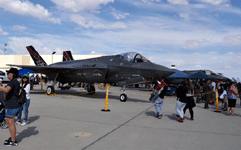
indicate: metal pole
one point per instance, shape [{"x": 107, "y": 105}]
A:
[{"x": 5, "y": 48}]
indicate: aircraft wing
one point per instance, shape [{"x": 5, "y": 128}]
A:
[
  {"x": 39, "y": 69},
  {"x": 53, "y": 70}
]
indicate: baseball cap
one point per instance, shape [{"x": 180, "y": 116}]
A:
[{"x": 25, "y": 75}]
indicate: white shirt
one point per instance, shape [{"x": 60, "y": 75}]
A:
[
  {"x": 214, "y": 86},
  {"x": 27, "y": 90}
]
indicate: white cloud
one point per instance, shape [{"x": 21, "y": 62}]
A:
[
  {"x": 1, "y": 52},
  {"x": 194, "y": 44},
  {"x": 232, "y": 40},
  {"x": 81, "y": 5},
  {"x": 180, "y": 2},
  {"x": 185, "y": 16},
  {"x": 176, "y": 62},
  {"x": 230, "y": 53},
  {"x": 118, "y": 14},
  {"x": 212, "y": 53},
  {"x": 2, "y": 32},
  {"x": 214, "y": 2},
  {"x": 84, "y": 22},
  {"x": 27, "y": 8},
  {"x": 213, "y": 58},
  {"x": 19, "y": 27},
  {"x": 149, "y": 1}
]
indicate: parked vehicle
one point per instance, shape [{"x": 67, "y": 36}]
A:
[{"x": 4, "y": 76}]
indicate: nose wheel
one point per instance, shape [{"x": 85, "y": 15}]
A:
[
  {"x": 123, "y": 97},
  {"x": 50, "y": 90}
]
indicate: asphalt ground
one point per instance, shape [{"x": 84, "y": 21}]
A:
[{"x": 72, "y": 120}]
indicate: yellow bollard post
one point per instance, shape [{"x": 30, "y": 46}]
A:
[
  {"x": 217, "y": 106},
  {"x": 81, "y": 87},
  {"x": 106, "y": 99}
]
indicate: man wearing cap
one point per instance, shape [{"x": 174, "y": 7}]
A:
[{"x": 12, "y": 107}]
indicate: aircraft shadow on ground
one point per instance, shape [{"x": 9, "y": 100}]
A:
[
  {"x": 102, "y": 95},
  {"x": 98, "y": 95}
]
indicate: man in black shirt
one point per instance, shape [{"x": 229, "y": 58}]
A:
[
  {"x": 206, "y": 92},
  {"x": 12, "y": 107}
]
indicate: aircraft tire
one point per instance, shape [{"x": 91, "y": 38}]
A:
[
  {"x": 91, "y": 90},
  {"x": 123, "y": 97},
  {"x": 50, "y": 90}
]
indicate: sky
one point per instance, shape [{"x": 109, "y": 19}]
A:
[{"x": 190, "y": 34}]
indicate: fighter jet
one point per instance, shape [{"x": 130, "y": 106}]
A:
[{"x": 126, "y": 67}]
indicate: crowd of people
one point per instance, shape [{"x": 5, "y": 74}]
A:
[{"x": 201, "y": 90}]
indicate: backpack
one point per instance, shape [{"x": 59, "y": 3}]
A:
[{"x": 22, "y": 96}]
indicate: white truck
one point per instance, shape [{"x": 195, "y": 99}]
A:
[{"x": 4, "y": 76}]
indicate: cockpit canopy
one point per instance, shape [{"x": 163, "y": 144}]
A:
[{"x": 133, "y": 57}]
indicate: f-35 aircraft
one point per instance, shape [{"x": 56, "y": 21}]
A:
[{"x": 128, "y": 67}]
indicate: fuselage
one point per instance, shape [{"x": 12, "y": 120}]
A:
[{"x": 108, "y": 69}]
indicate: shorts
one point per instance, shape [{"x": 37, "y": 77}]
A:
[
  {"x": 12, "y": 112},
  {"x": 231, "y": 102}
]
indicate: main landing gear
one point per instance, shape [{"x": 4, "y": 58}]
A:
[
  {"x": 50, "y": 90},
  {"x": 91, "y": 89}
]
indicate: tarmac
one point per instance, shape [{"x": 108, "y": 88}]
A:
[{"x": 72, "y": 120}]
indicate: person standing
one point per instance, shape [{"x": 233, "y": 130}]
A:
[
  {"x": 160, "y": 99},
  {"x": 181, "y": 100},
  {"x": 12, "y": 107},
  {"x": 197, "y": 90},
  {"x": 206, "y": 92},
  {"x": 26, "y": 85},
  {"x": 213, "y": 92},
  {"x": 232, "y": 92},
  {"x": 190, "y": 101}
]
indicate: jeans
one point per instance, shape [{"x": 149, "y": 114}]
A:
[
  {"x": 158, "y": 105},
  {"x": 24, "y": 108},
  {"x": 179, "y": 108}
]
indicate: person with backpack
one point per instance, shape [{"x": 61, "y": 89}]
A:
[
  {"x": 26, "y": 86},
  {"x": 12, "y": 107},
  {"x": 161, "y": 88}
]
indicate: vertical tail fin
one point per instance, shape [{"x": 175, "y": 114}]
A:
[
  {"x": 38, "y": 60},
  {"x": 67, "y": 56}
]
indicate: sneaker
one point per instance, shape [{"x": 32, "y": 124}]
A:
[
  {"x": 11, "y": 143},
  {"x": 18, "y": 122},
  {"x": 6, "y": 141},
  {"x": 160, "y": 116},
  {"x": 180, "y": 120},
  {"x": 191, "y": 119},
  {"x": 23, "y": 123}
]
